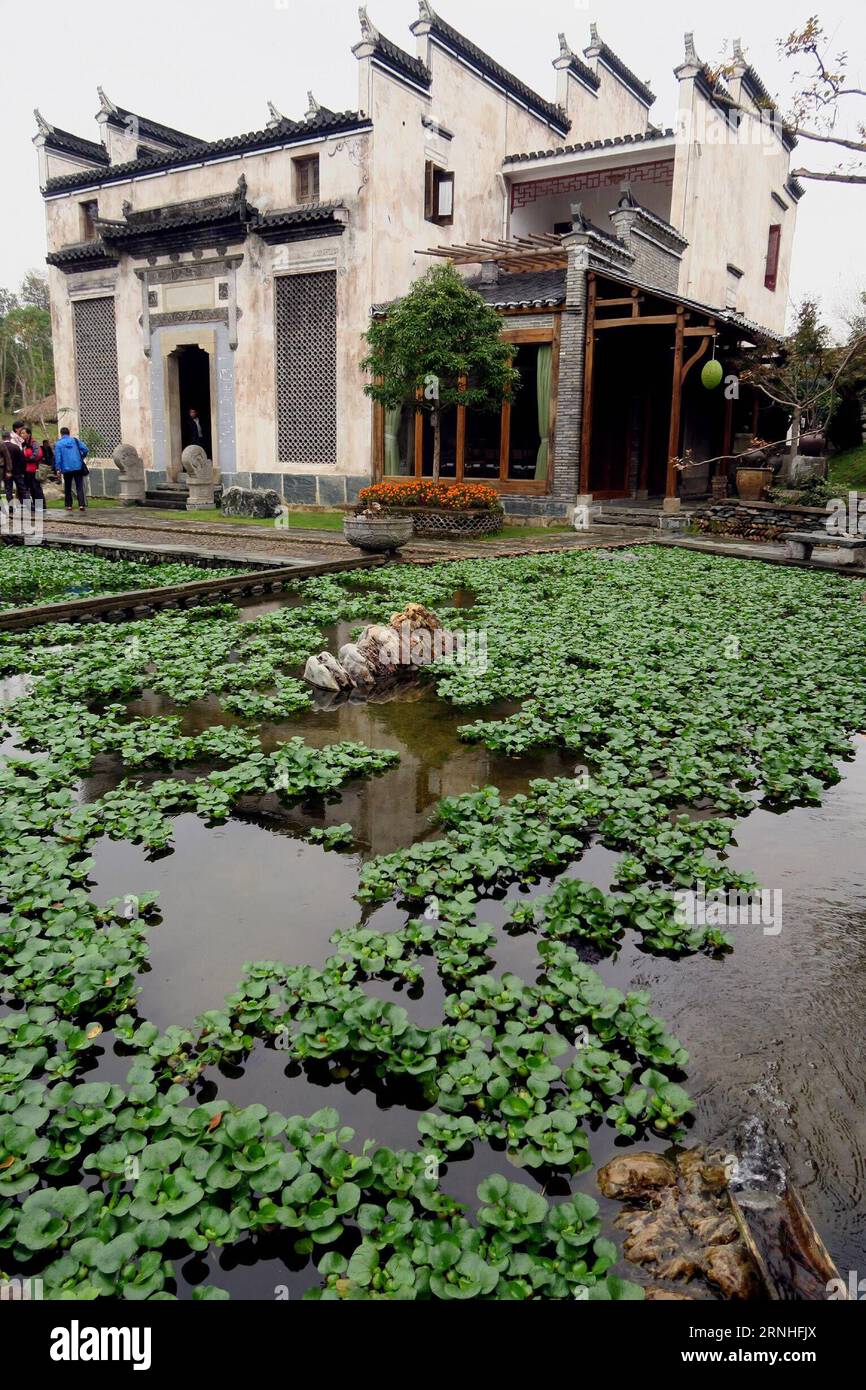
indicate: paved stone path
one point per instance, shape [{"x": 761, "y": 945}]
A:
[{"x": 151, "y": 528}]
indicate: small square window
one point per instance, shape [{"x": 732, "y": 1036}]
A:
[
  {"x": 89, "y": 211},
  {"x": 438, "y": 195},
  {"x": 307, "y": 179}
]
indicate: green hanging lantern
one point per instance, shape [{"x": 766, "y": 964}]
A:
[{"x": 712, "y": 374}]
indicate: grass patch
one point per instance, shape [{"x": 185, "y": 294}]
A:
[{"x": 848, "y": 469}]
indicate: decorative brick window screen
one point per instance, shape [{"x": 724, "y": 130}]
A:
[
  {"x": 306, "y": 349},
  {"x": 656, "y": 171},
  {"x": 96, "y": 362}
]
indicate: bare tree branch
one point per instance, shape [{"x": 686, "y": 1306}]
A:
[{"x": 827, "y": 178}]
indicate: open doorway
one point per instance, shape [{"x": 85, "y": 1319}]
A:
[{"x": 193, "y": 381}]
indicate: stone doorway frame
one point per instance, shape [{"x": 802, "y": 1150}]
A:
[{"x": 170, "y": 341}]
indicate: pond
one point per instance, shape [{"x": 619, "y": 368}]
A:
[{"x": 771, "y": 1027}]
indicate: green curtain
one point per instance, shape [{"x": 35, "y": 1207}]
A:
[
  {"x": 543, "y": 375},
  {"x": 392, "y": 443}
]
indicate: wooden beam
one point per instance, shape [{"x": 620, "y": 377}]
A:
[
  {"x": 643, "y": 318},
  {"x": 676, "y": 405},
  {"x": 701, "y": 332},
  {"x": 695, "y": 357},
  {"x": 588, "y": 367}
]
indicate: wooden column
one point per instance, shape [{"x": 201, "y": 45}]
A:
[
  {"x": 588, "y": 362},
  {"x": 676, "y": 403}
]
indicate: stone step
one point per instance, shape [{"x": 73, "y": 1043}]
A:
[{"x": 625, "y": 516}]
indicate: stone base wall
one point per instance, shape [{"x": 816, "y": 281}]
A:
[
  {"x": 307, "y": 489},
  {"x": 537, "y": 507},
  {"x": 756, "y": 519}
]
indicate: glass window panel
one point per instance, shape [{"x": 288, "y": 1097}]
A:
[
  {"x": 448, "y": 463},
  {"x": 483, "y": 438},
  {"x": 525, "y": 434}
]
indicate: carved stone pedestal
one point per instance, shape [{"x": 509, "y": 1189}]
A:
[{"x": 131, "y": 469}]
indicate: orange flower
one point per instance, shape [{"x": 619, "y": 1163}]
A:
[{"x": 419, "y": 492}]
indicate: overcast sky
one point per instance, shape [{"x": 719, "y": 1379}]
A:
[{"x": 209, "y": 66}]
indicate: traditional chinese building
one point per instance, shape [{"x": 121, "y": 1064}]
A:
[{"x": 237, "y": 276}]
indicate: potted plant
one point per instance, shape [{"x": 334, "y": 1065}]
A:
[
  {"x": 439, "y": 510},
  {"x": 376, "y": 531},
  {"x": 754, "y": 472}
]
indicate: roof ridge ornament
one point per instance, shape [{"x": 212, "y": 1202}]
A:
[
  {"x": 276, "y": 117},
  {"x": 738, "y": 54},
  {"x": 368, "y": 29},
  {"x": 691, "y": 53},
  {"x": 105, "y": 102},
  {"x": 579, "y": 222},
  {"x": 425, "y": 11},
  {"x": 564, "y": 50},
  {"x": 595, "y": 41},
  {"x": 42, "y": 125},
  {"x": 313, "y": 107}
]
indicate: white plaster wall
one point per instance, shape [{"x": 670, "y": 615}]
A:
[
  {"x": 722, "y": 202},
  {"x": 613, "y": 110},
  {"x": 344, "y": 175}
]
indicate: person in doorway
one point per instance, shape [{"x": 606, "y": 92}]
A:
[
  {"x": 193, "y": 430},
  {"x": 12, "y": 458},
  {"x": 69, "y": 455},
  {"x": 32, "y": 460}
]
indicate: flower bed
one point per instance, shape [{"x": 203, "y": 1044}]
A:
[
  {"x": 450, "y": 497},
  {"x": 440, "y": 509}
]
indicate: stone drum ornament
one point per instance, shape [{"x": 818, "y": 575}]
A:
[
  {"x": 127, "y": 461},
  {"x": 199, "y": 469}
]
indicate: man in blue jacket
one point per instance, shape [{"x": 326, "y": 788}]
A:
[{"x": 69, "y": 456}]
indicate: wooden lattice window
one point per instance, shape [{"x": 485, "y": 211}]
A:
[
  {"x": 306, "y": 351},
  {"x": 96, "y": 363},
  {"x": 307, "y": 179}
]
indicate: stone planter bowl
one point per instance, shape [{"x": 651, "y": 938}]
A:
[
  {"x": 378, "y": 535},
  {"x": 752, "y": 482}
]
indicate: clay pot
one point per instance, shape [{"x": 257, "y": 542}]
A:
[
  {"x": 379, "y": 534},
  {"x": 753, "y": 481},
  {"x": 812, "y": 443}
]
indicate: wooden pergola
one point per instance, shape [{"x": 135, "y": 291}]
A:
[{"x": 538, "y": 251}]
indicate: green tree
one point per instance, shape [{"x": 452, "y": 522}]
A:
[
  {"x": 805, "y": 377},
  {"x": 438, "y": 347},
  {"x": 34, "y": 290}
]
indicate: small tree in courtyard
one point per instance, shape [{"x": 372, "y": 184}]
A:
[{"x": 438, "y": 347}]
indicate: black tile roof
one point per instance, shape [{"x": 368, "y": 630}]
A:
[
  {"x": 653, "y": 217},
  {"x": 314, "y": 219},
  {"x": 584, "y": 72},
  {"x": 154, "y": 130},
  {"x": 493, "y": 71},
  {"x": 612, "y": 142},
  {"x": 795, "y": 188},
  {"x": 541, "y": 289},
  {"x": 286, "y": 132},
  {"x": 85, "y": 255},
  {"x": 402, "y": 63},
  {"x": 624, "y": 73},
  {"x": 67, "y": 143}
]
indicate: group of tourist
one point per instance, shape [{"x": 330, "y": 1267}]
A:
[{"x": 22, "y": 458}]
